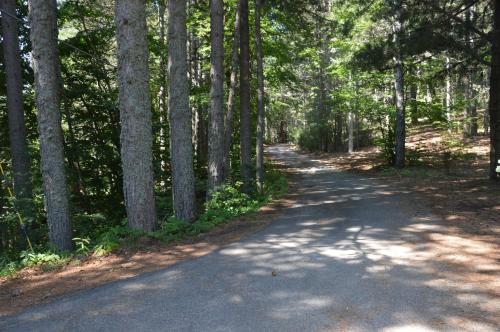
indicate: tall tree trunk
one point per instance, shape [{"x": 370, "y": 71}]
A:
[
  {"x": 198, "y": 109},
  {"x": 323, "y": 111},
  {"x": 338, "y": 134},
  {"x": 181, "y": 149},
  {"x": 470, "y": 124},
  {"x": 413, "y": 97},
  {"x": 470, "y": 111},
  {"x": 260, "y": 100},
  {"x": 135, "y": 114},
  {"x": 399, "y": 87},
  {"x": 216, "y": 115},
  {"x": 355, "y": 120},
  {"x": 194, "y": 81},
  {"x": 494, "y": 102},
  {"x": 162, "y": 98},
  {"x": 233, "y": 84},
  {"x": 17, "y": 128},
  {"x": 448, "y": 92},
  {"x": 357, "y": 126},
  {"x": 201, "y": 135},
  {"x": 350, "y": 131},
  {"x": 47, "y": 70},
  {"x": 245, "y": 135},
  {"x": 323, "y": 81}
]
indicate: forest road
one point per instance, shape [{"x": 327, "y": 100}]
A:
[{"x": 349, "y": 254}]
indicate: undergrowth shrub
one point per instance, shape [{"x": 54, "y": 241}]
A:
[
  {"x": 29, "y": 258},
  {"x": 7, "y": 266},
  {"x": 226, "y": 203},
  {"x": 112, "y": 238},
  {"x": 97, "y": 237}
]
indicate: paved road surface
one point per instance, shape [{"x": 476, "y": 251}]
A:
[{"x": 348, "y": 254}]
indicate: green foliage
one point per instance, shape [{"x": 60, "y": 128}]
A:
[
  {"x": 87, "y": 224},
  {"x": 163, "y": 204},
  {"x": 82, "y": 245},
  {"x": 172, "y": 229},
  {"x": 454, "y": 143},
  {"x": 275, "y": 184},
  {"x": 8, "y": 267},
  {"x": 387, "y": 139},
  {"x": 17, "y": 218},
  {"x": 226, "y": 203},
  {"x": 310, "y": 138},
  {"x": 230, "y": 201},
  {"x": 113, "y": 237},
  {"x": 48, "y": 260},
  {"x": 29, "y": 258}
]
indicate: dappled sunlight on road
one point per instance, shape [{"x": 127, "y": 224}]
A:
[
  {"x": 348, "y": 254},
  {"x": 382, "y": 243}
]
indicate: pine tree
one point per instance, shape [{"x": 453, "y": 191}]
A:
[
  {"x": 399, "y": 87},
  {"x": 181, "y": 150},
  {"x": 245, "y": 134},
  {"x": 494, "y": 102},
  {"x": 46, "y": 66},
  {"x": 216, "y": 115},
  {"x": 231, "y": 100},
  {"x": 17, "y": 127},
  {"x": 135, "y": 114},
  {"x": 260, "y": 100}
]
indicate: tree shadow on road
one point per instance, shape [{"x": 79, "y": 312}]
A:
[{"x": 349, "y": 253}]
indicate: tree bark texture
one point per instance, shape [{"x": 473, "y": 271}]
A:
[
  {"x": 260, "y": 100},
  {"x": 471, "y": 124},
  {"x": 162, "y": 98},
  {"x": 181, "y": 149},
  {"x": 448, "y": 92},
  {"x": 216, "y": 115},
  {"x": 399, "y": 87},
  {"x": 231, "y": 100},
  {"x": 494, "y": 103},
  {"x": 47, "y": 71},
  {"x": 135, "y": 114},
  {"x": 245, "y": 134},
  {"x": 15, "y": 109},
  {"x": 350, "y": 131}
]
